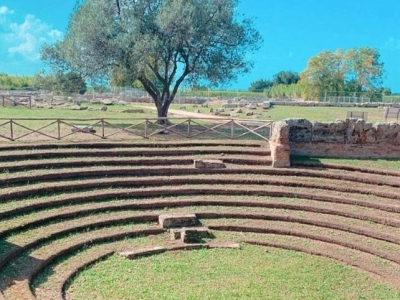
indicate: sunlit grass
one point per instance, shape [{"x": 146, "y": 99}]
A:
[{"x": 249, "y": 273}]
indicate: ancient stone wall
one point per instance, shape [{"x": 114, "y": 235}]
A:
[{"x": 348, "y": 138}]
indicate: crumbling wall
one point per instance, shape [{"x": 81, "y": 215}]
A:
[{"x": 348, "y": 138}]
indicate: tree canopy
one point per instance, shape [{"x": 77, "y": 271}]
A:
[
  {"x": 260, "y": 85},
  {"x": 161, "y": 43},
  {"x": 354, "y": 70},
  {"x": 281, "y": 78},
  {"x": 286, "y": 78}
]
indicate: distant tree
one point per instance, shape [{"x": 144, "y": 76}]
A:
[
  {"x": 260, "y": 85},
  {"x": 68, "y": 83},
  {"x": 354, "y": 70},
  {"x": 12, "y": 82},
  {"x": 286, "y": 78},
  {"x": 169, "y": 40},
  {"x": 365, "y": 68}
]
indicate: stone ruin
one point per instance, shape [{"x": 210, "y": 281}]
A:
[{"x": 350, "y": 138}]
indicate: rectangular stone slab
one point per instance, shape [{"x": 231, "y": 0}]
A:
[
  {"x": 208, "y": 164},
  {"x": 175, "y": 220},
  {"x": 142, "y": 252}
]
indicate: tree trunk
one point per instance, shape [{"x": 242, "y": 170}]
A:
[{"x": 162, "y": 112}]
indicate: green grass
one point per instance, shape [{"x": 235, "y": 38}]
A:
[
  {"x": 279, "y": 112},
  {"x": 385, "y": 164},
  {"x": 250, "y": 273}
]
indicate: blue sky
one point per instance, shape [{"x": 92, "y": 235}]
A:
[{"x": 293, "y": 31}]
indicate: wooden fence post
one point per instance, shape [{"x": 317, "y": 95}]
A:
[
  {"x": 11, "y": 130},
  {"x": 232, "y": 129},
  {"x": 102, "y": 129},
  {"x": 189, "y": 128},
  {"x": 146, "y": 128},
  {"x": 58, "y": 129}
]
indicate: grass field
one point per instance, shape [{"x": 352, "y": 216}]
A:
[
  {"x": 249, "y": 273},
  {"x": 116, "y": 111}
]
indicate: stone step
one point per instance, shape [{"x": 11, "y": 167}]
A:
[
  {"x": 190, "y": 234},
  {"x": 142, "y": 252},
  {"x": 216, "y": 244},
  {"x": 209, "y": 164},
  {"x": 175, "y": 220}
]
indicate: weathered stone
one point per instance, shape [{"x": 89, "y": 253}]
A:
[
  {"x": 353, "y": 138},
  {"x": 202, "y": 232},
  {"x": 142, "y": 252},
  {"x": 300, "y": 130},
  {"x": 132, "y": 111},
  {"x": 191, "y": 235},
  {"x": 75, "y": 107},
  {"x": 107, "y": 102},
  {"x": 223, "y": 244},
  {"x": 329, "y": 132},
  {"x": 83, "y": 128},
  {"x": 209, "y": 164},
  {"x": 175, "y": 233},
  {"x": 104, "y": 108},
  {"x": 388, "y": 132},
  {"x": 175, "y": 220},
  {"x": 279, "y": 145}
]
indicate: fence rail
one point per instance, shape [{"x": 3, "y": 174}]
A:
[{"x": 29, "y": 129}]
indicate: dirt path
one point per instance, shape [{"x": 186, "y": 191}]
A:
[{"x": 179, "y": 112}]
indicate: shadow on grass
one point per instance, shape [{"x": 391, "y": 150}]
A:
[{"x": 12, "y": 270}]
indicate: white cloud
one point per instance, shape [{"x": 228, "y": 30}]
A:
[
  {"x": 26, "y": 38},
  {"x": 393, "y": 43},
  {"x": 4, "y": 10}
]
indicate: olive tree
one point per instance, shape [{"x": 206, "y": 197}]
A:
[{"x": 161, "y": 43}]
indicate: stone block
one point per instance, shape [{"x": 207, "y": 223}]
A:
[
  {"x": 300, "y": 130},
  {"x": 175, "y": 233},
  {"x": 175, "y": 220},
  {"x": 209, "y": 164},
  {"x": 190, "y": 235},
  {"x": 142, "y": 252},
  {"x": 223, "y": 244},
  {"x": 83, "y": 128},
  {"x": 197, "y": 232}
]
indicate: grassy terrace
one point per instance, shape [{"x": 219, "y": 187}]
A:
[{"x": 324, "y": 229}]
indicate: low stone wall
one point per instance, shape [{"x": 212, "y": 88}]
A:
[{"x": 348, "y": 138}]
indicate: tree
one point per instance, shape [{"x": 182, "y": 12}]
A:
[
  {"x": 325, "y": 72},
  {"x": 67, "y": 83},
  {"x": 260, "y": 85},
  {"x": 354, "y": 70},
  {"x": 159, "y": 42},
  {"x": 365, "y": 68},
  {"x": 286, "y": 78}
]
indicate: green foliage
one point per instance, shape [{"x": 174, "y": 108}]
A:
[
  {"x": 283, "y": 85},
  {"x": 9, "y": 82},
  {"x": 286, "y": 78},
  {"x": 284, "y": 91},
  {"x": 68, "y": 83},
  {"x": 354, "y": 70},
  {"x": 260, "y": 85},
  {"x": 161, "y": 43}
]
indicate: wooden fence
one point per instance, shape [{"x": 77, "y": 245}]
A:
[
  {"x": 16, "y": 100},
  {"x": 28, "y": 129}
]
